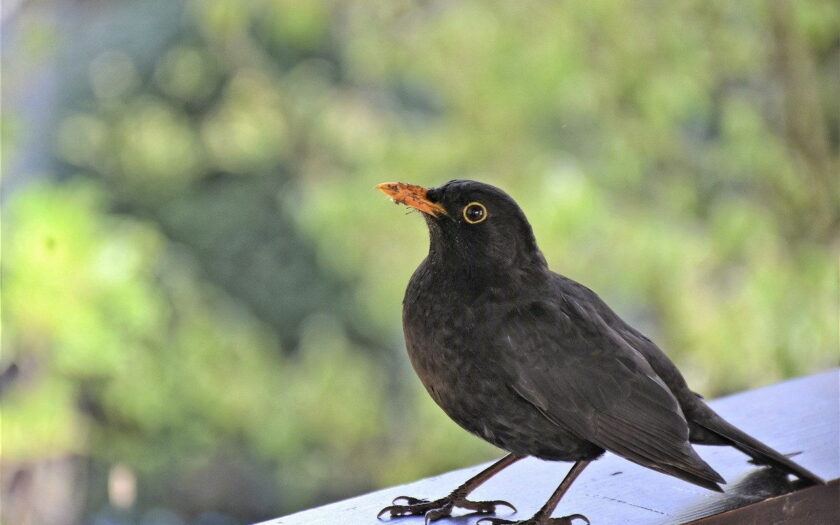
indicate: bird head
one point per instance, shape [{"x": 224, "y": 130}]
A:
[{"x": 471, "y": 225}]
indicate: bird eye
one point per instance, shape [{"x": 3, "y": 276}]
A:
[{"x": 475, "y": 212}]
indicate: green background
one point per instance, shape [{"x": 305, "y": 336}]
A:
[{"x": 202, "y": 288}]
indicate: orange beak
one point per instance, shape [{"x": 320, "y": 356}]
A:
[{"x": 411, "y": 195}]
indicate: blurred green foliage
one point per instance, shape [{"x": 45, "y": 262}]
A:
[{"x": 204, "y": 285}]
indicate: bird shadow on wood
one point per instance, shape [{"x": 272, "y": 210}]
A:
[{"x": 756, "y": 486}]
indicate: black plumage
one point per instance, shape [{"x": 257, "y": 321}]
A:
[{"x": 536, "y": 363}]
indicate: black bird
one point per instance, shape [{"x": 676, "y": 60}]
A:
[{"x": 536, "y": 363}]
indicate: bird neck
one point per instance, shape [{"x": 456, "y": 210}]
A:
[{"x": 478, "y": 275}]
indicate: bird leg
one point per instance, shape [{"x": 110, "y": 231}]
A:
[
  {"x": 543, "y": 516},
  {"x": 441, "y": 508}
]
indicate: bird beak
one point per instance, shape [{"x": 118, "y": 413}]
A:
[{"x": 411, "y": 195}]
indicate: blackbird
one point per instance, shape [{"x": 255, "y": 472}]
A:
[{"x": 536, "y": 363}]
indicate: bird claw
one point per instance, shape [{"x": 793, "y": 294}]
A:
[
  {"x": 440, "y": 508},
  {"x": 565, "y": 520},
  {"x": 481, "y": 508},
  {"x": 415, "y": 507},
  {"x": 408, "y": 500},
  {"x": 573, "y": 517}
]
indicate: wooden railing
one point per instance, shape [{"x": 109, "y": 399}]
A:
[{"x": 800, "y": 417}]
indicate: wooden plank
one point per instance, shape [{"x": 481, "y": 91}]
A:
[
  {"x": 812, "y": 506},
  {"x": 800, "y": 417}
]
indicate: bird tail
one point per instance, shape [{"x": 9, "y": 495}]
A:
[{"x": 761, "y": 453}]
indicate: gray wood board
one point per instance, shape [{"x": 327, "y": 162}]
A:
[{"x": 800, "y": 416}]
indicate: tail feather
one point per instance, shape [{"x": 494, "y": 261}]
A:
[
  {"x": 694, "y": 470},
  {"x": 692, "y": 478},
  {"x": 761, "y": 453},
  {"x": 686, "y": 465}
]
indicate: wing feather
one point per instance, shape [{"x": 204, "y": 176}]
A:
[{"x": 587, "y": 379}]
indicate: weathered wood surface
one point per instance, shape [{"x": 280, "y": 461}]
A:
[{"x": 800, "y": 417}]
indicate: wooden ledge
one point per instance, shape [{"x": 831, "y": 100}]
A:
[{"x": 800, "y": 416}]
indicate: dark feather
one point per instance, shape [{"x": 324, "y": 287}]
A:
[
  {"x": 583, "y": 376},
  {"x": 706, "y": 426}
]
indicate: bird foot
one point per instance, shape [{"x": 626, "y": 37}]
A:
[
  {"x": 440, "y": 508},
  {"x": 536, "y": 520}
]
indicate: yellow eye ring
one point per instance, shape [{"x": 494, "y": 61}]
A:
[{"x": 475, "y": 212}]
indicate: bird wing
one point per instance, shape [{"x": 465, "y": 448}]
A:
[
  {"x": 585, "y": 378},
  {"x": 705, "y": 425}
]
